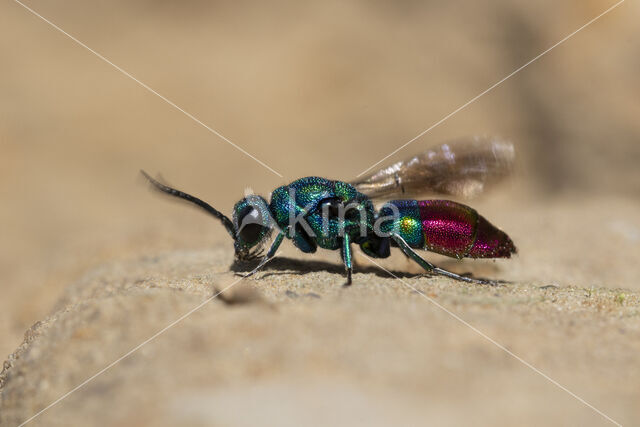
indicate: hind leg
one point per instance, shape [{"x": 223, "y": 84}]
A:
[{"x": 408, "y": 251}]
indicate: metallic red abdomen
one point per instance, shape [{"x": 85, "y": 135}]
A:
[{"x": 456, "y": 230}]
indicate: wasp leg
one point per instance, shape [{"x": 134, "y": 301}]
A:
[
  {"x": 272, "y": 251},
  {"x": 346, "y": 257},
  {"x": 408, "y": 251}
]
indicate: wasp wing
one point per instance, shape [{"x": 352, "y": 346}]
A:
[{"x": 462, "y": 168}]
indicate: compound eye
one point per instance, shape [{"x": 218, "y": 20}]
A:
[
  {"x": 251, "y": 227},
  {"x": 332, "y": 206}
]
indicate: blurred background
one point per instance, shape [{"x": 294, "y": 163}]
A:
[{"x": 310, "y": 88}]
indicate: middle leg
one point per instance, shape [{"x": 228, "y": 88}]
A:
[{"x": 346, "y": 256}]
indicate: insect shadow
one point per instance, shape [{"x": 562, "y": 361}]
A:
[{"x": 286, "y": 265}]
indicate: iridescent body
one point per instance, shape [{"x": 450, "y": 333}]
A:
[
  {"x": 448, "y": 228},
  {"x": 440, "y": 226}
]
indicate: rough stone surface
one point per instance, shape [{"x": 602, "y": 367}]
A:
[{"x": 293, "y": 346}]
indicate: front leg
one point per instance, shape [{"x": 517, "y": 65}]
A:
[
  {"x": 346, "y": 257},
  {"x": 408, "y": 251},
  {"x": 272, "y": 251}
]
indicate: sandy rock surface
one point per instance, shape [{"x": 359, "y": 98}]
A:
[{"x": 293, "y": 346}]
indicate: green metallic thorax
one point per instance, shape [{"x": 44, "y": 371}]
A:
[{"x": 305, "y": 196}]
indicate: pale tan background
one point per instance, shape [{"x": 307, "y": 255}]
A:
[{"x": 310, "y": 88}]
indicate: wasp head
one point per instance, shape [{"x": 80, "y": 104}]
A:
[{"x": 253, "y": 224}]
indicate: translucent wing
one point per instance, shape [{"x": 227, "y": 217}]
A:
[{"x": 462, "y": 168}]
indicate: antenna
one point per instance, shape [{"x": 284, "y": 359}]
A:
[{"x": 189, "y": 198}]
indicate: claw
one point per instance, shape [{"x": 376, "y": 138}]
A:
[
  {"x": 255, "y": 254},
  {"x": 243, "y": 275}
]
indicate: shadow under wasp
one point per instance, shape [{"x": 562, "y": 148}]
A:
[{"x": 318, "y": 212}]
